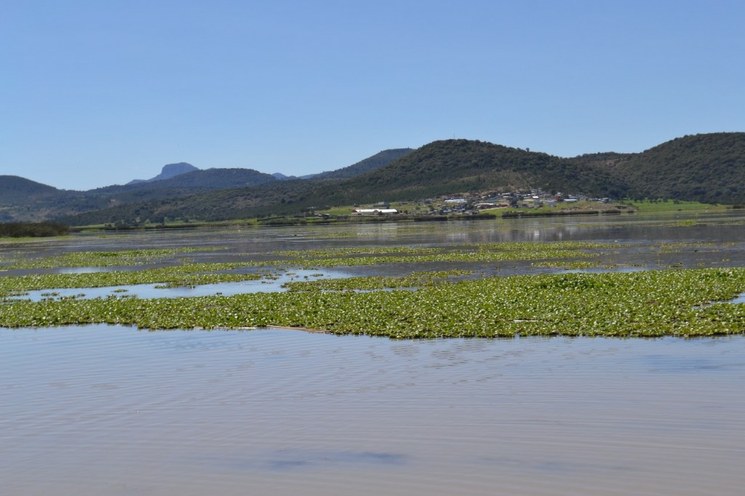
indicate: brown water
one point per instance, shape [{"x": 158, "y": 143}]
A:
[
  {"x": 113, "y": 411},
  {"x": 276, "y": 283},
  {"x": 716, "y": 239}
]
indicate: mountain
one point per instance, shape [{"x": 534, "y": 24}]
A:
[
  {"x": 705, "y": 167},
  {"x": 266, "y": 194},
  {"x": 459, "y": 166},
  {"x": 194, "y": 181},
  {"x": 168, "y": 171},
  {"x": 375, "y": 162},
  {"x": 175, "y": 181},
  {"x": 15, "y": 188},
  {"x": 709, "y": 168},
  {"x": 181, "y": 185},
  {"x": 281, "y": 177},
  {"x": 672, "y": 170},
  {"x": 25, "y": 200}
]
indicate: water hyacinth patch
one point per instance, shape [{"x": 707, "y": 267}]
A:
[
  {"x": 421, "y": 304},
  {"x": 117, "y": 258},
  {"x": 639, "y": 304},
  {"x": 415, "y": 280},
  {"x": 479, "y": 253},
  {"x": 182, "y": 275}
]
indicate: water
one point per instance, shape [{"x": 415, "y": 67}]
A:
[
  {"x": 714, "y": 239},
  {"x": 109, "y": 410},
  {"x": 264, "y": 285}
]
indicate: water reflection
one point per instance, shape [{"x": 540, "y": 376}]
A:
[
  {"x": 108, "y": 410},
  {"x": 116, "y": 411},
  {"x": 82, "y": 270},
  {"x": 264, "y": 285},
  {"x": 288, "y": 460}
]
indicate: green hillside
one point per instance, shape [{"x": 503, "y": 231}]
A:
[
  {"x": 377, "y": 161},
  {"x": 458, "y": 166},
  {"x": 185, "y": 184},
  {"x": 14, "y": 188},
  {"x": 707, "y": 168},
  {"x": 26, "y": 200}
]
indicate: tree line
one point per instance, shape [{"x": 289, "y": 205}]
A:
[{"x": 32, "y": 229}]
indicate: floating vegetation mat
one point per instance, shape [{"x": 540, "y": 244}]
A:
[
  {"x": 117, "y": 258},
  {"x": 638, "y": 304},
  {"x": 190, "y": 274},
  {"x": 485, "y": 252},
  {"x": 420, "y": 304}
]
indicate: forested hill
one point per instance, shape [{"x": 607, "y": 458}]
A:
[
  {"x": 194, "y": 182},
  {"x": 377, "y": 161},
  {"x": 25, "y": 200},
  {"x": 28, "y": 200},
  {"x": 456, "y": 166},
  {"x": 14, "y": 188},
  {"x": 686, "y": 168},
  {"x": 705, "y": 167}
]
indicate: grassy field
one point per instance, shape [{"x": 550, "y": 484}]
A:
[{"x": 665, "y": 206}]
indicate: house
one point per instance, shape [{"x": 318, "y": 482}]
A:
[{"x": 375, "y": 211}]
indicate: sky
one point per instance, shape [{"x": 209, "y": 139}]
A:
[{"x": 97, "y": 93}]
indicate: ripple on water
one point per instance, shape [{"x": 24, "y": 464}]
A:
[
  {"x": 111, "y": 410},
  {"x": 264, "y": 285}
]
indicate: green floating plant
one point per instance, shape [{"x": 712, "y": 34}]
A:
[{"x": 639, "y": 304}]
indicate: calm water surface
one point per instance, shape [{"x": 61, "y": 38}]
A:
[
  {"x": 103, "y": 410},
  {"x": 109, "y": 410},
  {"x": 265, "y": 285}
]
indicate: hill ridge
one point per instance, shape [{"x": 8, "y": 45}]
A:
[{"x": 701, "y": 167}]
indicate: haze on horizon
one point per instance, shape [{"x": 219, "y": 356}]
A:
[{"x": 101, "y": 93}]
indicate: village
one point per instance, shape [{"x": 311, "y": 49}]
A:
[{"x": 485, "y": 203}]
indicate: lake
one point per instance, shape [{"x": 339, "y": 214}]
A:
[
  {"x": 109, "y": 410},
  {"x": 113, "y": 410}
]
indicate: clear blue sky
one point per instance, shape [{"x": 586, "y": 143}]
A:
[{"x": 98, "y": 92}]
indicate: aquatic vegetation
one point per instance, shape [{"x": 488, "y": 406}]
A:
[
  {"x": 648, "y": 304},
  {"x": 679, "y": 247},
  {"x": 569, "y": 265},
  {"x": 422, "y": 303},
  {"x": 414, "y": 280},
  {"x": 325, "y": 258},
  {"x": 485, "y": 252},
  {"x": 191, "y": 274},
  {"x": 103, "y": 258}
]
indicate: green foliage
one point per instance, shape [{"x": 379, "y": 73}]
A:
[
  {"x": 484, "y": 252},
  {"x": 369, "y": 164},
  {"x": 191, "y": 274},
  {"x": 706, "y": 168},
  {"x": 32, "y": 229},
  {"x": 117, "y": 258},
  {"x": 422, "y": 304},
  {"x": 411, "y": 281},
  {"x": 643, "y": 304},
  {"x": 662, "y": 206},
  {"x": 14, "y": 189}
]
